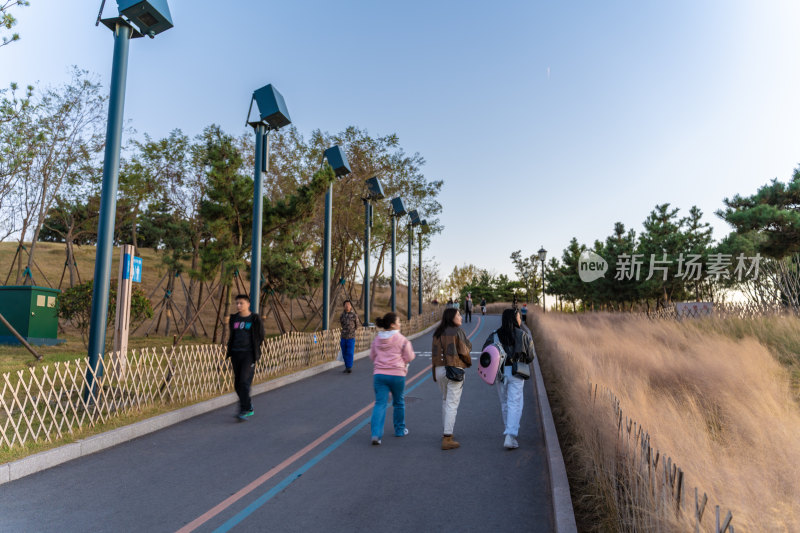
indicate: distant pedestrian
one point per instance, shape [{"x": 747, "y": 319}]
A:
[
  {"x": 450, "y": 348},
  {"x": 468, "y": 308},
  {"x": 524, "y": 313},
  {"x": 483, "y": 306},
  {"x": 244, "y": 350},
  {"x": 391, "y": 354},
  {"x": 518, "y": 345},
  {"x": 349, "y": 321}
]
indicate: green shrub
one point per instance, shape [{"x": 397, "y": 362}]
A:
[{"x": 75, "y": 306}]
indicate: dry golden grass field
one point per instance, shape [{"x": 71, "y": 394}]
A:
[{"x": 718, "y": 396}]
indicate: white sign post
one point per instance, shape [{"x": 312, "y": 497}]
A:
[{"x": 130, "y": 270}]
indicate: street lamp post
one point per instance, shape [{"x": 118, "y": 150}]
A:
[
  {"x": 374, "y": 192},
  {"x": 151, "y": 18},
  {"x": 422, "y": 226},
  {"x": 542, "y": 256},
  {"x": 273, "y": 115},
  {"x": 338, "y": 161},
  {"x": 414, "y": 221},
  {"x": 410, "y": 267},
  {"x": 398, "y": 210}
]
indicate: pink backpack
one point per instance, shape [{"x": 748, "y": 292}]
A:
[{"x": 491, "y": 362}]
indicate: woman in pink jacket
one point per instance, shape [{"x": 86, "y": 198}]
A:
[{"x": 391, "y": 353}]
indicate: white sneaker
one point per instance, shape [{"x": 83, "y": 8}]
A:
[{"x": 511, "y": 442}]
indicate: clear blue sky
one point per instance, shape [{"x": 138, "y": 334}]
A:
[{"x": 545, "y": 119}]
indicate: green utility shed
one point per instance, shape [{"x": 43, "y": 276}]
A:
[{"x": 32, "y": 311}]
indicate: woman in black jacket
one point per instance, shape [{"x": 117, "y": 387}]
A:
[
  {"x": 244, "y": 349},
  {"x": 518, "y": 346}
]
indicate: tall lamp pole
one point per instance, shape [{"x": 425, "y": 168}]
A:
[
  {"x": 394, "y": 264},
  {"x": 367, "y": 227},
  {"x": 423, "y": 224},
  {"x": 414, "y": 221},
  {"x": 273, "y": 115},
  {"x": 374, "y": 192},
  {"x": 338, "y": 161},
  {"x": 151, "y": 18},
  {"x": 542, "y": 256},
  {"x": 410, "y": 267},
  {"x": 398, "y": 210}
]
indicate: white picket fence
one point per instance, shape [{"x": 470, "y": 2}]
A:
[{"x": 43, "y": 404}]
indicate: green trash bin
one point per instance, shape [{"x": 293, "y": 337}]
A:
[{"x": 33, "y": 312}]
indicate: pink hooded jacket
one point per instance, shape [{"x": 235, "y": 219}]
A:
[{"x": 390, "y": 353}]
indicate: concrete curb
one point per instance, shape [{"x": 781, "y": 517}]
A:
[
  {"x": 563, "y": 513},
  {"x": 50, "y": 458}
]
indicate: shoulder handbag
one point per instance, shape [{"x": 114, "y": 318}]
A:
[
  {"x": 520, "y": 368},
  {"x": 454, "y": 373}
]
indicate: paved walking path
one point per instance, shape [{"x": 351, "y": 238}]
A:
[{"x": 304, "y": 462}]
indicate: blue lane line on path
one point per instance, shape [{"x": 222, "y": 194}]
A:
[{"x": 288, "y": 480}]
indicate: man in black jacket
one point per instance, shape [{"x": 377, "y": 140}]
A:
[{"x": 244, "y": 349}]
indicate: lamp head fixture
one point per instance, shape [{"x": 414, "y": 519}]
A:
[
  {"x": 375, "y": 189},
  {"x": 337, "y": 160},
  {"x": 151, "y": 17},
  {"x": 271, "y": 108},
  {"x": 398, "y": 209}
]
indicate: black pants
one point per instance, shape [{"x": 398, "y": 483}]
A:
[
  {"x": 468, "y": 315},
  {"x": 243, "y": 371}
]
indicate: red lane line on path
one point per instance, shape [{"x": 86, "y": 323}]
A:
[
  {"x": 227, "y": 502},
  {"x": 475, "y": 328}
]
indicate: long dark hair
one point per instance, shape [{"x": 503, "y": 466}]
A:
[
  {"x": 448, "y": 318},
  {"x": 386, "y": 321},
  {"x": 506, "y": 331}
]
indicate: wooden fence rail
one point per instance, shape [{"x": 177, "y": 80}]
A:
[
  {"x": 45, "y": 403},
  {"x": 648, "y": 480},
  {"x": 722, "y": 310}
]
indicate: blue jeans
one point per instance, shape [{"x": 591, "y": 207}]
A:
[
  {"x": 348, "y": 347},
  {"x": 383, "y": 384}
]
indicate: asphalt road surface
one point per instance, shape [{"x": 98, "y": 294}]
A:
[{"x": 304, "y": 462}]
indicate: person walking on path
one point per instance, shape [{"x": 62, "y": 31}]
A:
[
  {"x": 244, "y": 350},
  {"x": 391, "y": 354},
  {"x": 518, "y": 346},
  {"x": 349, "y": 321},
  {"x": 450, "y": 348},
  {"x": 524, "y": 313},
  {"x": 483, "y": 306},
  {"x": 468, "y": 308}
]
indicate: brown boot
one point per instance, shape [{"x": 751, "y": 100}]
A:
[{"x": 448, "y": 443}]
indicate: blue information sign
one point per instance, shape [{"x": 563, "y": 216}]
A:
[{"x": 137, "y": 269}]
